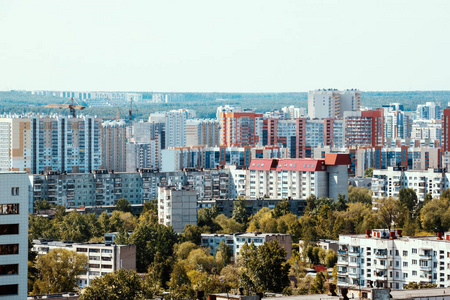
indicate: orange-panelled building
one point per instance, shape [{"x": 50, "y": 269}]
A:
[{"x": 238, "y": 129}]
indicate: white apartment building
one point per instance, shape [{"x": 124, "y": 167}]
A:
[
  {"x": 102, "y": 258},
  {"x": 384, "y": 258},
  {"x": 292, "y": 112},
  {"x": 428, "y": 111},
  {"x": 426, "y": 130},
  {"x": 177, "y": 207},
  {"x": 175, "y": 126},
  {"x": 13, "y": 235},
  {"x": 299, "y": 178},
  {"x": 332, "y": 103},
  {"x": 389, "y": 182},
  {"x": 202, "y": 132},
  {"x": 236, "y": 241},
  {"x": 143, "y": 156}
]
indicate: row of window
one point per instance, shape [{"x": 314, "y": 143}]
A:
[
  {"x": 8, "y": 249},
  {"x": 9, "y": 209},
  {"x": 9, "y": 229}
]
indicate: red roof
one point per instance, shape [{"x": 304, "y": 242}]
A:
[
  {"x": 335, "y": 159},
  {"x": 293, "y": 164}
]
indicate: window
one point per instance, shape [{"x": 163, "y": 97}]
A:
[
  {"x": 405, "y": 275},
  {"x": 81, "y": 249},
  {"x": 9, "y": 249},
  {"x": 14, "y": 191},
  {"x": 414, "y": 273},
  {"x": 9, "y": 209},
  {"x": 9, "y": 289},
  {"x": 405, "y": 253},
  {"x": 9, "y": 269},
  {"x": 414, "y": 261},
  {"x": 414, "y": 250},
  {"x": 106, "y": 251},
  {"x": 9, "y": 229},
  {"x": 405, "y": 263}
]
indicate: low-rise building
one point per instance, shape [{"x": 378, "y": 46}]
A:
[
  {"x": 236, "y": 241},
  {"x": 102, "y": 258},
  {"x": 385, "y": 258}
]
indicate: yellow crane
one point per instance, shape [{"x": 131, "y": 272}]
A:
[{"x": 70, "y": 104}]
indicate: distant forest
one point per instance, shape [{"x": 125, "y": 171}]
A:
[{"x": 205, "y": 104}]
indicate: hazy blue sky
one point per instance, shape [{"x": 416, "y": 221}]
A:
[{"x": 229, "y": 46}]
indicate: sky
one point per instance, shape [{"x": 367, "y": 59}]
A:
[{"x": 224, "y": 46}]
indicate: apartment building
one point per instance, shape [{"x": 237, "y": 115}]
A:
[
  {"x": 114, "y": 149},
  {"x": 237, "y": 128},
  {"x": 100, "y": 187},
  {"x": 332, "y": 103},
  {"x": 236, "y": 241},
  {"x": 174, "y": 126},
  {"x": 210, "y": 184},
  {"x": 426, "y": 130},
  {"x": 398, "y": 124},
  {"x": 143, "y": 155},
  {"x": 301, "y": 136},
  {"x": 299, "y": 178},
  {"x": 13, "y": 235},
  {"x": 177, "y": 207},
  {"x": 364, "y": 128},
  {"x": 389, "y": 182},
  {"x": 145, "y": 132},
  {"x": 429, "y": 111},
  {"x": 445, "y": 139},
  {"x": 386, "y": 259},
  {"x": 202, "y": 132},
  {"x": 102, "y": 258},
  {"x": 179, "y": 158},
  {"x": 42, "y": 143}
]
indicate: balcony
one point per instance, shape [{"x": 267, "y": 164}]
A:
[
  {"x": 353, "y": 275},
  {"x": 425, "y": 256},
  {"x": 425, "y": 268},
  {"x": 381, "y": 267},
  {"x": 342, "y": 252},
  {"x": 381, "y": 255},
  {"x": 353, "y": 264},
  {"x": 353, "y": 253},
  {"x": 342, "y": 263}
]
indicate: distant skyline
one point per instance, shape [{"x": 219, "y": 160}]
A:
[{"x": 225, "y": 46}]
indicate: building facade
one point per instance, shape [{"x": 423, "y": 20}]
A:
[
  {"x": 102, "y": 258},
  {"x": 13, "y": 235},
  {"x": 386, "y": 259},
  {"x": 114, "y": 149},
  {"x": 177, "y": 207},
  {"x": 36, "y": 144},
  {"x": 237, "y": 129},
  {"x": 299, "y": 178},
  {"x": 332, "y": 103}
]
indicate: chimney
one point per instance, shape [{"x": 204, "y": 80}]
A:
[
  {"x": 392, "y": 235},
  {"x": 439, "y": 235},
  {"x": 368, "y": 233}
]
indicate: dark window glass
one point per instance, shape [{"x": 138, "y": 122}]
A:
[
  {"x": 9, "y": 269},
  {"x": 9, "y": 289},
  {"x": 9, "y": 229},
  {"x": 9, "y": 249}
]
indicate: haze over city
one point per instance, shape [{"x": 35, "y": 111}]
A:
[{"x": 232, "y": 46}]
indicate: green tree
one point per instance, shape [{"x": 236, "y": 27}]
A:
[
  {"x": 121, "y": 284},
  {"x": 58, "y": 270},
  {"x": 388, "y": 211},
  {"x": 330, "y": 258},
  {"x": 240, "y": 213},
  {"x": 74, "y": 227},
  {"x": 340, "y": 204},
  {"x": 368, "y": 173},
  {"x": 359, "y": 194},
  {"x": 224, "y": 253},
  {"x": 228, "y": 225},
  {"x": 408, "y": 199},
  {"x": 123, "y": 205},
  {"x": 180, "y": 286},
  {"x": 282, "y": 208},
  {"x": 192, "y": 233},
  {"x": 206, "y": 219},
  {"x": 266, "y": 267},
  {"x": 151, "y": 238},
  {"x": 42, "y": 204},
  {"x": 435, "y": 215},
  {"x": 318, "y": 285}
]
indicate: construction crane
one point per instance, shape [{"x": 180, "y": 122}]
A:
[{"x": 70, "y": 104}]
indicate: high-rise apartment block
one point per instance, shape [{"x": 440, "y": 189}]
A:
[
  {"x": 36, "y": 144},
  {"x": 364, "y": 128},
  {"x": 177, "y": 207},
  {"x": 332, "y": 103},
  {"x": 237, "y": 128},
  {"x": 202, "y": 132},
  {"x": 143, "y": 156},
  {"x": 175, "y": 126},
  {"x": 428, "y": 111},
  {"x": 114, "y": 149},
  {"x": 13, "y": 235}
]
